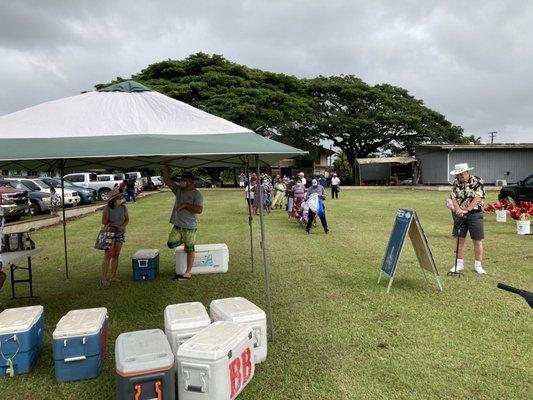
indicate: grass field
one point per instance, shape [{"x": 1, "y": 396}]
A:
[{"x": 339, "y": 335}]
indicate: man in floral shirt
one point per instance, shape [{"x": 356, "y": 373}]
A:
[{"x": 467, "y": 198}]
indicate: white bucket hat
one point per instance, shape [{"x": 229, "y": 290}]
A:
[{"x": 460, "y": 168}]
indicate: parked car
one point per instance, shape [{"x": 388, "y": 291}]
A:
[
  {"x": 520, "y": 191},
  {"x": 39, "y": 200},
  {"x": 14, "y": 203},
  {"x": 90, "y": 180},
  {"x": 157, "y": 182},
  {"x": 72, "y": 198},
  {"x": 201, "y": 183},
  {"x": 88, "y": 196}
]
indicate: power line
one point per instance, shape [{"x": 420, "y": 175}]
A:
[{"x": 492, "y": 136}]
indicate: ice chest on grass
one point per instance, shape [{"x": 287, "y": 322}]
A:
[
  {"x": 145, "y": 264},
  {"x": 209, "y": 259},
  {"x": 144, "y": 366},
  {"x": 183, "y": 321},
  {"x": 80, "y": 344},
  {"x": 241, "y": 310},
  {"x": 21, "y": 338},
  {"x": 217, "y": 363}
]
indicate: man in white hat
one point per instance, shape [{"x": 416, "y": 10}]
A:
[
  {"x": 467, "y": 198},
  {"x": 302, "y": 177},
  {"x": 335, "y": 183}
]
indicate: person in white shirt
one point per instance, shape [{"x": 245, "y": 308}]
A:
[
  {"x": 302, "y": 177},
  {"x": 335, "y": 183}
]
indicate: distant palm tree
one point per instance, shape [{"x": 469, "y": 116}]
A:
[{"x": 472, "y": 139}]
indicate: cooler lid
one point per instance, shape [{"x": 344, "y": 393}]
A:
[
  {"x": 142, "y": 351},
  {"x": 145, "y": 254},
  {"x": 83, "y": 322},
  {"x": 186, "y": 316},
  {"x": 215, "y": 341},
  {"x": 21, "y": 319},
  {"x": 205, "y": 247},
  {"x": 237, "y": 309}
]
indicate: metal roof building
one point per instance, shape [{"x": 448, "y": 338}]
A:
[{"x": 492, "y": 162}]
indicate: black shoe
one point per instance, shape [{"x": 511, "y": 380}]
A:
[{"x": 326, "y": 231}]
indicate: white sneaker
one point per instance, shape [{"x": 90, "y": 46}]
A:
[
  {"x": 458, "y": 269},
  {"x": 480, "y": 270}
]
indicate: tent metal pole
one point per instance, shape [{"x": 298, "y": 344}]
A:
[
  {"x": 62, "y": 172},
  {"x": 250, "y": 218},
  {"x": 264, "y": 250}
]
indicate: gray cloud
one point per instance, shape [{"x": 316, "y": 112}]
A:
[{"x": 469, "y": 60}]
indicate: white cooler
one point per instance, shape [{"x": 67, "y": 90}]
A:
[
  {"x": 210, "y": 259},
  {"x": 241, "y": 310},
  {"x": 183, "y": 321},
  {"x": 217, "y": 363}
]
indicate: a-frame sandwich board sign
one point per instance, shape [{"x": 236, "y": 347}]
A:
[{"x": 407, "y": 222}]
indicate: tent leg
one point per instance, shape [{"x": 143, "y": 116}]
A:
[
  {"x": 62, "y": 172},
  {"x": 264, "y": 250},
  {"x": 250, "y": 214}
]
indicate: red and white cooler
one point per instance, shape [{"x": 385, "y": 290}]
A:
[
  {"x": 145, "y": 367},
  {"x": 217, "y": 363},
  {"x": 241, "y": 310},
  {"x": 183, "y": 321},
  {"x": 209, "y": 259}
]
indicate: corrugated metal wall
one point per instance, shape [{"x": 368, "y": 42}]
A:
[
  {"x": 433, "y": 165},
  {"x": 492, "y": 165},
  {"x": 489, "y": 164}
]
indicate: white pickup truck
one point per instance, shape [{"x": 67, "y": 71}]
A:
[{"x": 90, "y": 180}]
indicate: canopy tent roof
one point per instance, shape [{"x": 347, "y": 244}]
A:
[{"x": 127, "y": 125}]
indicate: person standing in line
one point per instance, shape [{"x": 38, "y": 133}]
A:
[
  {"x": 467, "y": 197},
  {"x": 130, "y": 188},
  {"x": 302, "y": 178},
  {"x": 115, "y": 218},
  {"x": 188, "y": 205},
  {"x": 280, "y": 188},
  {"x": 249, "y": 192},
  {"x": 318, "y": 191},
  {"x": 298, "y": 193},
  {"x": 242, "y": 180},
  {"x": 290, "y": 197},
  {"x": 335, "y": 183}
]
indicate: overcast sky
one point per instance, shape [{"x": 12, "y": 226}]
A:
[{"x": 470, "y": 60}]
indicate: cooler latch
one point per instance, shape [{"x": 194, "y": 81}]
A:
[{"x": 195, "y": 379}]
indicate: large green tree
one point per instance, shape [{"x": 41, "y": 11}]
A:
[{"x": 362, "y": 120}]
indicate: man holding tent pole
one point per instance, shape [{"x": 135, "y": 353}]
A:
[{"x": 189, "y": 203}]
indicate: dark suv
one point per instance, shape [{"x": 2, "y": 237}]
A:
[{"x": 520, "y": 191}]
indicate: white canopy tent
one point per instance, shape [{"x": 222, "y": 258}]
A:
[{"x": 128, "y": 125}]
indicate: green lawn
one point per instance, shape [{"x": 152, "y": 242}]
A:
[{"x": 339, "y": 335}]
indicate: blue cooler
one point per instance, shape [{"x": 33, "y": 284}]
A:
[
  {"x": 145, "y": 264},
  {"x": 21, "y": 338},
  {"x": 80, "y": 344}
]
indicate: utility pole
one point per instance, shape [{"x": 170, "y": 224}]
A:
[{"x": 492, "y": 135}]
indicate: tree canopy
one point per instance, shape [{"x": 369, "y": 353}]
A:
[
  {"x": 359, "y": 119},
  {"x": 362, "y": 120}
]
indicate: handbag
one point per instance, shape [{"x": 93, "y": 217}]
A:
[{"x": 105, "y": 238}]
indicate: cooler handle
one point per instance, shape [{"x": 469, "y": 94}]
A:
[
  {"x": 75, "y": 358},
  {"x": 71, "y": 359},
  {"x": 143, "y": 263}
]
